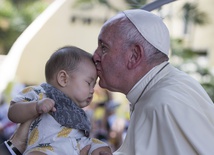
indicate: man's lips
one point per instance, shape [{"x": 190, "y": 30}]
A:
[
  {"x": 99, "y": 72},
  {"x": 98, "y": 69}
]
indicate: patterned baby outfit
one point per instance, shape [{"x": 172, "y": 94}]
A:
[{"x": 62, "y": 132}]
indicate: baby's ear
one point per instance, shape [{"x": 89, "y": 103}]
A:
[{"x": 62, "y": 78}]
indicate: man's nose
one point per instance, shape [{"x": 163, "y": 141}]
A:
[{"x": 96, "y": 58}]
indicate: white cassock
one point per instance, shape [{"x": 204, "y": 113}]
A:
[{"x": 173, "y": 116}]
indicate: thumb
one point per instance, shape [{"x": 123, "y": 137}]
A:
[
  {"x": 53, "y": 109},
  {"x": 85, "y": 150}
]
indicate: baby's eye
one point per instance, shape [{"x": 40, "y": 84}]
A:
[{"x": 88, "y": 83}]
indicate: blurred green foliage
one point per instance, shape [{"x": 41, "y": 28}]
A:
[
  {"x": 15, "y": 16},
  {"x": 193, "y": 62}
]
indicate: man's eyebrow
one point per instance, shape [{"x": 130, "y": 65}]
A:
[
  {"x": 103, "y": 43},
  {"x": 100, "y": 41}
]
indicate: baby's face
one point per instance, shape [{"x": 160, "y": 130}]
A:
[{"x": 81, "y": 83}]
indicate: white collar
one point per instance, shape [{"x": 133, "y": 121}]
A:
[{"x": 136, "y": 92}]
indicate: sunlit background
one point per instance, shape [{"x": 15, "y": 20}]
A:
[{"x": 30, "y": 31}]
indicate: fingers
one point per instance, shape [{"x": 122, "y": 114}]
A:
[
  {"x": 23, "y": 129},
  {"x": 53, "y": 109},
  {"x": 105, "y": 153},
  {"x": 45, "y": 105},
  {"x": 19, "y": 138},
  {"x": 85, "y": 150}
]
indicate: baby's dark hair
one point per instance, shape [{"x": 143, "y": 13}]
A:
[{"x": 65, "y": 58}]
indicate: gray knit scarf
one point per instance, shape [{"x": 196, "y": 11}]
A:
[{"x": 67, "y": 113}]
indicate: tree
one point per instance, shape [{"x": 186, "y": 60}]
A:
[
  {"x": 15, "y": 16},
  {"x": 192, "y": 15},
  {"x": 189, "y": 58}
]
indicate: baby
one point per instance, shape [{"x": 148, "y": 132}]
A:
[{"x": 60, "y": 126}]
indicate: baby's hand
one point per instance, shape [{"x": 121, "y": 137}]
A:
[{"x": 45, "y": 105}]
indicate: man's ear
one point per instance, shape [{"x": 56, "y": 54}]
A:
[
  {"x": 135, "y": 56},
  {"x": 62, "y": 78}
]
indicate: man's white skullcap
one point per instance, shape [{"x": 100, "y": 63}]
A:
[{"x": 151, "y": 28}]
